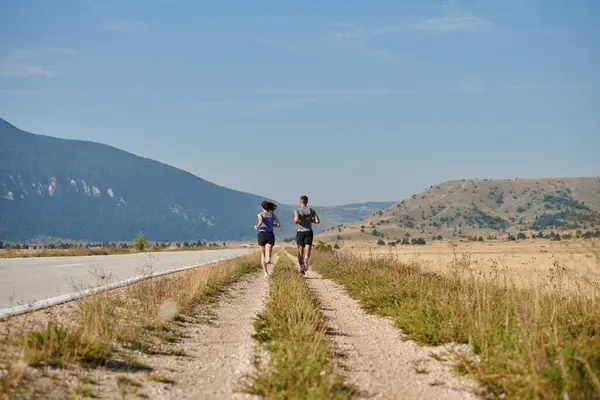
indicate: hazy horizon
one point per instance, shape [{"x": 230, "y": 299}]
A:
[{"x": 346, "y": 102}]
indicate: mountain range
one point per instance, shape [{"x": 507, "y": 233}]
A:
[
  {"x": 79, "y": 190},
  {"x": 485, "y": 207}
]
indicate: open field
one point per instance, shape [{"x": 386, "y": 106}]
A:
[{"x": 528, "y": 262}]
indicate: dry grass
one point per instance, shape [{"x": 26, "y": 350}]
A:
[
  {"x": 139, "y": 318},
  {"x": 293, "y": 329},
  {"x": 528, "y": 262},
  {"x": 92, "y": 251},
  {"x": 102, "y": 251},
  {"x": 534, "y": 342}
]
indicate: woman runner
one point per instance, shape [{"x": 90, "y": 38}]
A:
[{"x": 267, "y": 220}]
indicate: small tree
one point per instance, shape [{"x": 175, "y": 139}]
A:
[
  {"x": 380, "y": 242},
  {"x": 140, "y": 242},
  {"x": 323, "y": 247},
  {"x": 521, "y": 236}
]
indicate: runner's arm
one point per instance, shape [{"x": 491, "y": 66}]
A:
[
  {"x": 296, "y": 217},
  {"x": 316, "y": 219},
  {"x": 259, "y": 222},
  {"x": 277, "y": 224}
]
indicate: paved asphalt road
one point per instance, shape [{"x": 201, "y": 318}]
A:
[{"x": 31, "y": 279}]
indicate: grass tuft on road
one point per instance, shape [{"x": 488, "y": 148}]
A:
[
  {"x": 293, "y": 330},
  {"x": 531, "y": 343}
]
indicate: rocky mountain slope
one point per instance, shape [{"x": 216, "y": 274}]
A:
[{"x": 88, "y": 191}]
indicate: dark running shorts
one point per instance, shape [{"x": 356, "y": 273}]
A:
[
  {"x": 304, "y": 238},
  {"x": 265, "y": 238}
]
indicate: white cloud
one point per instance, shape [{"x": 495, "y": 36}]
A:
[
  {"x": 357, "y": 41},
  {"x": 16, "y": 70},
  {"x": 124, "y": 26},
  {"x": 28, "y": 54},
  {"x": 326, "y": 92},
  {"x": 459, "y": 23},
  {"x": 287, "y": 99},
  {"x": 28, "y": 63},
  {"x": 63, "y": 51}
]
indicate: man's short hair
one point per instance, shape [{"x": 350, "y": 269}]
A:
[{"x": 304, "y": 199}]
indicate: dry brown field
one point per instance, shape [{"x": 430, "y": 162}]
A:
[{"x": 526, "y": 262}]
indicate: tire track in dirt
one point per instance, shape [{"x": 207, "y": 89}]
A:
[
  {"x": 375, "y": 358},
  {"x": 219, "y": 354}
]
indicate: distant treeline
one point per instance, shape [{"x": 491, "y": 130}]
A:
[{"x": 121, "y": 245}]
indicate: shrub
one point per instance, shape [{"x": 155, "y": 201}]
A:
[
  {"x": 521, "y": 236},
  {"x": 140, "y": 242},
  {"x": 323, "y": 247},
  {"x": 380, "y": 242}
]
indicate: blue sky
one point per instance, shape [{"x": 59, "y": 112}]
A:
[{"x": 343, "y": 100}]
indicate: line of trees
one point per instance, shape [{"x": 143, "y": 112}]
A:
[
  {"x": 138, "y": 244},
  {"x": 404, "y": 241}
]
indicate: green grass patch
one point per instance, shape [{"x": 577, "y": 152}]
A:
[
  {"x": 123, "y": 380},
  {"x": 293, "y": 330},
  {"x": 84, "y": 392},
  {"x": 161, "y": 379},
  {"x": 166, "y": 337},
  {"x": 128, "y": 386},
  {"x": 537, "y": 342},
  {"x": 175, "y": 352},
  {"x": 57, "y": 345},
  {"x": 86, "y": 380}
]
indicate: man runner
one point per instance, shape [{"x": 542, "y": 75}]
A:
[{"x": 304, "y": 217}]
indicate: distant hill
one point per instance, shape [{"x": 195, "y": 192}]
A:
[
  {"x": 485, "y": 207},
  {"x": 88, "y": 191}
]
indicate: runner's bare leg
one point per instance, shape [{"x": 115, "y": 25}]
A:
[
  {"x": 306, "y": 256},
  {"x": 262, "y": 258},
  {"x": 300, "y": 254},
  {"x": 268, "y": 253}
]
